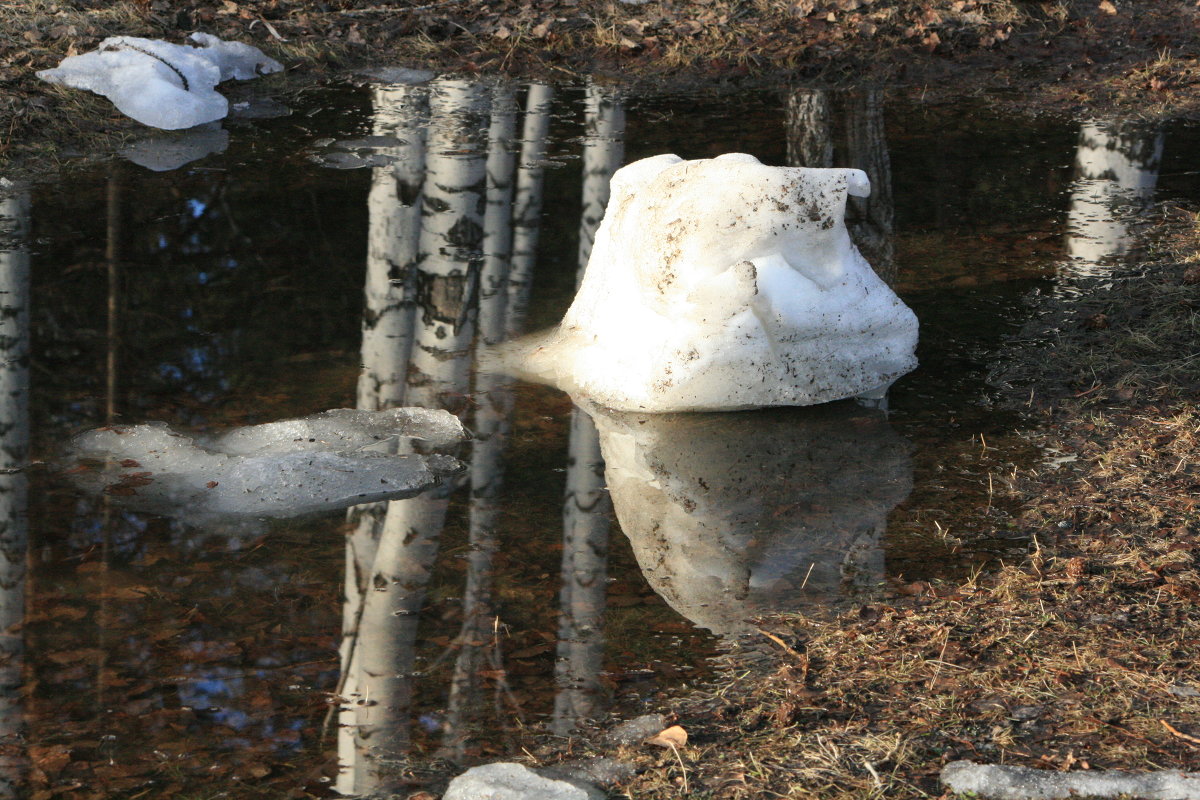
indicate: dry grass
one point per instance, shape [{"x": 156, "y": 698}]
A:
[{"x": 1067, "y": 54}]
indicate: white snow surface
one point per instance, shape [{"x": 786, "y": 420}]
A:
[
  {"x": 281, "y": 469},
  {"x": 160, "y": 84},
  {"x": 1002, "y": 782},
  {"x": 235, "y": 59},
  {"x": 509, "y": 781},
  {"x": 721, "y": 284}
]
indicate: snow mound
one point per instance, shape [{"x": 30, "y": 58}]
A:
[
  {"x": 281, "y": 469},
  {"x": 722, "y": 284},
  {"x": 160, "y": 84}
]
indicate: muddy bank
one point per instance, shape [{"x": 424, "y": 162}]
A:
[{"x": 1081, "y": 56}]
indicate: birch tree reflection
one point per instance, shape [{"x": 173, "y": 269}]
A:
[
  {"x": 813, "y": 140},
  {"x": 527, "y": 204},
  {"x": 394, "y": 214},
  {"x": 446, "y": 283},
  {"x": 491, "y": 422},
  {"x": 586, "y": 505},
  {"x": 1116, "y": 171},
  {"x": 14, "y": 453}
]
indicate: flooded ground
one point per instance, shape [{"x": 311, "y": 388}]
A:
[{"x": 164, "y": 659}]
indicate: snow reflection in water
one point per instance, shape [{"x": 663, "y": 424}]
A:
[
  {"x": 234, "y": 303},
  {"x": 733, "y": 515}
]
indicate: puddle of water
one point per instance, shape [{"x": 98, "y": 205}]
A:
[{"x": 155, "y": 656}]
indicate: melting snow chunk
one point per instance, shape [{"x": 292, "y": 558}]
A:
[
  {"x": 343, "y": 429},
  {"x": 235, "y": 59},
  {"x": 163, "y": 85},
  {"x": 722, "y": 284},
  {"x": 279, "y": 469}
]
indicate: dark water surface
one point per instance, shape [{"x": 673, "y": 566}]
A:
[{"x": 151, "y": 658}]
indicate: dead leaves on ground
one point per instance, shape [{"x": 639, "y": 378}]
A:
[{"x": 673, "y": 737}]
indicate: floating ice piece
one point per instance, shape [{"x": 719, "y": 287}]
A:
[
  {"x": 722, "y": 284},
  {"x": 280, "y": 469},
  {"x": 733, "y": 515},
  {"x": 397, "y": 76},
  {"x": 368, "y": 151},
  {"x": 160, "y": 84},
  {"x": 343, "y": 429}
]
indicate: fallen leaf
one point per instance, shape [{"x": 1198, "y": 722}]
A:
[
  {"x": 672, "y": 737},
  {"x": 1107, "y": 7}
]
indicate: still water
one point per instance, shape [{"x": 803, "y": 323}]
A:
[{"x": 352, "y": 247}]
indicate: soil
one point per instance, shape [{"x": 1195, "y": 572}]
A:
[
  {"x": 1083, "y": 655},
  {"x": 1079, "y": 56}
]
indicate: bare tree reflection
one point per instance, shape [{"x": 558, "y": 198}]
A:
[
  {"x": 491, "y": 422},
  {"x": 394, "y": 213},
  {"x": 1116, "y": 170},
  {"x": 14, "y": 453},
  {"x": 811, "y": 136},
  {"x": 527, "y": 203},
  {"x": 446, "y": 289},
  {"x": 586, "y": 506}
]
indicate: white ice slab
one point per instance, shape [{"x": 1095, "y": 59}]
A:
[
  {"x": 280, "y": 469},
  {"x": 235, "y": 59},
  {"x": 722, "y": 284}
]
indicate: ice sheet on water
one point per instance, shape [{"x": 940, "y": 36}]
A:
[
  {"x": 279, "y": 469},
  {"x": 160, "y": 84},
  {"x": 343, "y": 429},
  {"x": 367, "y": 151},
  {"x": 397, "y": 76}
]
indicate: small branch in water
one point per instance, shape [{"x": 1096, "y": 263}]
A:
[
  {"x": 349, "y": 665},
  {"x": 127, "y": 46}
]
